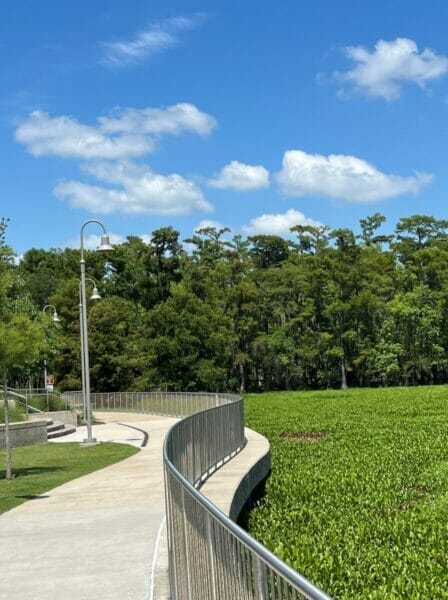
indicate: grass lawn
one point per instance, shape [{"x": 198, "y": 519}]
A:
[
  {"x": 37, "y": 469},
  {"x": 358, "y": 496}
]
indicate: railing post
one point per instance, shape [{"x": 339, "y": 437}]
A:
[
  {"x": 260, "y": 580},
  {"x": 193, "y": 452},
  {"x": 186, "y": 538},
  {"x": 211, "y": 556},
  {"x": 169, "y": 534}
]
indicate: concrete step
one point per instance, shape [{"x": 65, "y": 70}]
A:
[
  {"x": 61, "y": 431},
  {"x": 55, "y": 426}
]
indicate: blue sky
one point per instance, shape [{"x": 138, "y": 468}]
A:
[{"x": 253, "y": 115}]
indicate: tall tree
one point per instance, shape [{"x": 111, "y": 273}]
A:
[{"x": 21, "y": 342}]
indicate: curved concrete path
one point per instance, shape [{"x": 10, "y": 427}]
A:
[
  {"x": 94, "y": 537},
  {"x": 97, "y": 537}
]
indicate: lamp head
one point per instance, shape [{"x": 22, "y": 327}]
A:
[
  {"x": 95, "y": 294},
  {"x": 105, "y": 245},
  {"x": 55, "y": 317}
]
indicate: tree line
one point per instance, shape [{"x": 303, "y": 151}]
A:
[{"x": 325, "y": 308}]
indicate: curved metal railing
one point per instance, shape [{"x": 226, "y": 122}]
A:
[
  {"x": 174, "y": 404},
  {"x": 210, "y": 556}
]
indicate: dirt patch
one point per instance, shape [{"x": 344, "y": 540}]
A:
[
  {"x": 400, "y": 508},
  {"x": 307, "y": 436},
  {"x": 419, "y": 488}
]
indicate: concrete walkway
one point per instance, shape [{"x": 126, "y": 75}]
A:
[
  {"x": 94, "y": 537},
  {"x": 103, "y": 536}
]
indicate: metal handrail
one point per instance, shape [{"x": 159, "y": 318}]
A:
[
  {"x": 297, "y": 581},
  {"x": 234, "y": 565},
  {"x": 210, "y": 556},
  {"x": 20, "y": 399}
]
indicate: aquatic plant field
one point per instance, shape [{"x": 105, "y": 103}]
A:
[{"x": 358, "y": 496}]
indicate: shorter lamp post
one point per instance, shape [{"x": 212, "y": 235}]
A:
[
  {"x": 55, "y": 319},
  {"x": 94, "y": 296},
  {"x": 103, "y": 247},
  {"x": 54, "y": 316}
]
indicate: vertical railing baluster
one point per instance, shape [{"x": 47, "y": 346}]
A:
[
  {"x": 186, "y": 543},
  {"x": 260, "y": 580}
]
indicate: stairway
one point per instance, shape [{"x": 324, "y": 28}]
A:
[{"x": 58, "y": 429}]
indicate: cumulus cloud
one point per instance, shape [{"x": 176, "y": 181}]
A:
[
  {"x": 206, "y": 223},
  {"x": 241, "y": 177},
  {"x": 383, "y": 71},
  {"x": 66, "y": 137},
  {"x": 156, "y": 121},
  {"x": 107, "y": 149},
  {"x": 277, "y": 224},
  {"x": 137, "y": 190},
  {"x": 129, "y": 133},
  {"x": 146, "y": 44},
  {"x": 345, "y": 177}
]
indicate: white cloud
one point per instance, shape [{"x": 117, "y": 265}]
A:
[
  {"x": 346, "y": 177},
  {"x": 106, "y": 149},
  {"x": 241, "y": 177},
  {"x": 137, "y": 190},
  {"x": 66, "y": 137},
  {"x": 145, "y": 237},
  {"x": 127, "y": 134},
  {"x": 173, "y": 119},
  {"x": 277, "y": 224},
  {"x": 391, "y": 64},
  {"x": 160, "y": 36},
  {"x": 206, "y": 223}
]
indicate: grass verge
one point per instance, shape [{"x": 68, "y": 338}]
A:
[
  {"x": 358, "y": 496},
  {"x": 37, "y": 469}
]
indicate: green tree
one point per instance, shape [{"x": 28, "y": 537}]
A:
[
  {"x": 187, "y": 344},
  {"x": 268, "y": 250},
  {"x": 116, "y": 356},
  {"x": 369, "y": 227},
  {"x": 21, "y": 342}
]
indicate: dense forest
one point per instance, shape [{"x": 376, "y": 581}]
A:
[{"x": 325, "y": 308}]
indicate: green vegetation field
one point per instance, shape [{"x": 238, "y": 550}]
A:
[
  {"x": 358, "y": 496},
  {"x": 38, "y": 469}
]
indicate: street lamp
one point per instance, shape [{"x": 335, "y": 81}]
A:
[
  {"x": 55, "y": 319},
  {"x": 103, "y": 247},
  {"x": 94, "y": 296}
]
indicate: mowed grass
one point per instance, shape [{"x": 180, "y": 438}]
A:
[
  {"x": 358, "y": 496},
  {"x": 37, "y": 469}
]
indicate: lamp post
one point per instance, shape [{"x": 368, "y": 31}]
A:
[
  {"x": 95, "y": 296},
  {"x": 103, "y": 247},
  {"x": 55, "y": 319},
  {"x": 54, "y": 316}
]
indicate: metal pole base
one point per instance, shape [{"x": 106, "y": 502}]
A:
[{"x": 89, "y": 441}]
